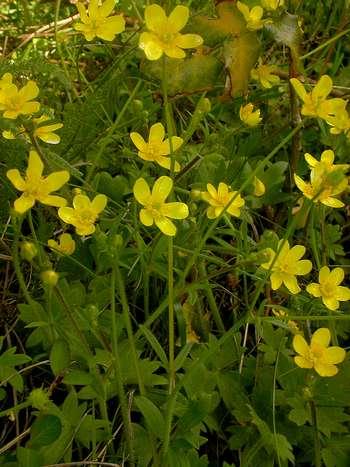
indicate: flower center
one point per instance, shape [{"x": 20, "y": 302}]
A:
[
  {"x": 316, "y": 352},
  {"x": 14, "y": 103},
  {"x": 168, "y": 37},
  {"x": 86, "y": 216},
  {"x": 327, "y": 289}
]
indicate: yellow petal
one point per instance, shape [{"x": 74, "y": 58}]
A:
[
  {"x": 150, "y": 44},
  {"x": 156, "y": 133},
  {"x": 291, "y": 283},
  {"x": 35, "y": 166},
  {"x": 166, "y": 226},
  {"x": 342, "y": 293},
  {"x": 29, "y": 91},
  {"x": 176, "y": 143},
  {"x": 142, "y": 192},
  {"x": 23, "y": 203},
  {"x": 174, "y": 52},
  {"x": 106, "y": 8},
  {"x": 138, "y": 141},
  {"x": 81, "y": 202},
  {"x": 175, "y": 210},
  {"x": 52, "y": 200},
  {"x": 303, "y": 267},
  {"x": 327, "y": 157},
  {"x": 337, "y": 276},
  {"x": 30, "y": 108},
  {"x": 259, "y": 187},
  {"x": 178, "y": 18},
  {"x": 166, "y": 163},
  {"x": 332, "y": 202},
  {"x": 56, "y": 180},
  {"x": 68, "y": 215},
  {"x": 161, "y": 189},
  {"x": 330, "y": 302},
  {"x": 82, "y": 12},
  {"x": 321, "y": 337},
  {"x": 323, "y": 274},
  {"x": 276, "y": 280},
  {"x": 93, "y": 8},
  {"x": 211, "y": 213},
  {"x": 322, "y": 88},
  {"x": 296, "y": 252},
  {"x": 146, "y": 217},
  {"x": 303, "y": 362},
  {"x": 334, "y": 355},
  {"x": 212, "y": 190},
  {"x": 84, "y": 230},
  {"x": 188, "y": 41},
  {"x": 314, "y": 289},
  {"x": 299, "y": 88},
  {"x": 16, "y": 179},
  {"x": 326, "y": 370},
  {"x": 155, "y": 17},
  {"x": 110, "y": 27},
  {"x": 99, "y": 203},
  {"x": 300, "y": 345}
]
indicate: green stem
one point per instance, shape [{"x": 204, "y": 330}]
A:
[
  {"x": 118, "y": 375},
  {"x": 17, "y": 266},
  {"x": 171, "y": 297},
  {"x": 126, "y": 315},
  {"x": 317, "y": 443},
  {"x": 211, "y": 299}
]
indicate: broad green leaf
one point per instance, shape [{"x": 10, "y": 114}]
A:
[
  {"x": 45, "y": 430},
  {"x": 113, "y": 187},
  {"x": 153, "y": 417},
  {"x": 59, "y": 356}
]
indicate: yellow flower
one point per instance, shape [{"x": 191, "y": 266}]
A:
[
  {"x": 287, "y": 266},
  {"x": 322, "y": 188},
  {"x": 14, "y": 102},
  {"x": 155, "y": 209},
  {"x": 259, "y": 187},
  {"x": 253, "y": 17},
  {"x": 156, "y": 147},
  {"x": 272, "y": 4},
  {"x": 340, "y": 122},
  {"x": 221, "y": 198},
  {"x": 35, "y": 187},
  {"x": 96, "y": 22},
  {"x": 65, "y": 245},
  {"x": 46, "y": 132},
  {"x": 329, "y": 289},
  {"x": 318, "y": 354},
  {"x": 315, "y": 102},
  {"x": 249, "y": 116},
  {"x": 264, "y": 74},
  {"x": 164, "y": 35},
  {"x": 84, "y": 213}
]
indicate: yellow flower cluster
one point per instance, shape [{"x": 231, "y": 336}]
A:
[
  {"x": 316, "y": 104},
  {"x": 327, "y": 180}
]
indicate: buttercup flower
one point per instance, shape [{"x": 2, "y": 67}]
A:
[
  {"x": 287, "y": 266},
  {"x": 324, "y": 183},
  {"x": 253, "y": 17},
  {"x": 340, "y": 122},
  {"x": 96, "y": 22},
  {"x": 249, "y": 116},
  {"x": 84, "y": 213},
  {"x": 264, "y": 74},
  {"x": 65, "y": 244},
  {"x": 35, "y": 187},
  {"x": 315, "y": 102},
  {"x": 155, "y": 209},
  {"x": 164, "y": 35},
  {"x": 46, "y": 132},
  {"x": 14, "y": 102},
  {"x": 157, "y": 148},
  {"x": 329, "y": 289},
  {"x": 272, "y": 4},
  {"x": 221, "y": 198},
  {"x": 318, "y": 354}
]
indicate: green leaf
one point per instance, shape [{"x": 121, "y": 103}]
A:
[
  {"x": 113, "y": 187},
  {"x": 78, "y": 377},
  {"x": 152, "y": 415},
  {"x": 59, "y": 356},
  {"x": 28, "y": 458},
  {"x": 45, "y": 430},
  {"x": 155, "y": 345}
]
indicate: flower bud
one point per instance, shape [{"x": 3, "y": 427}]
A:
[
  {"x": 28, "y": 251},
  {"x": 39, "y": 399},
  {"x": 49, "y": 277}
]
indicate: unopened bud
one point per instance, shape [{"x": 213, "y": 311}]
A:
[
  {"x": 39, "y": 399},
  {"x": 28, "y": 251},
  {"x": 49, "y": 278}
]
